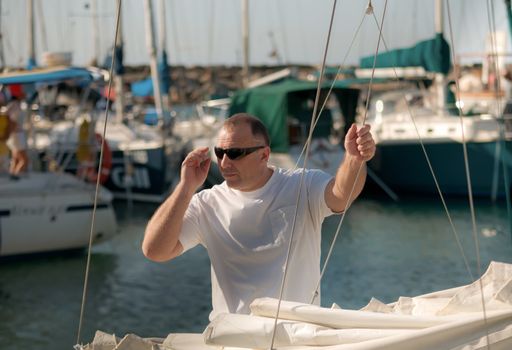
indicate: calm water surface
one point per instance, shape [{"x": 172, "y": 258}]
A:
[{"x": 384, "y": 250}]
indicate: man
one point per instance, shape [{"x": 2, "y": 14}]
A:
[{"x": 246, "y": 222}]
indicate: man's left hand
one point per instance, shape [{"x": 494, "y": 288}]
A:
[{"x": 359, "y": 142}]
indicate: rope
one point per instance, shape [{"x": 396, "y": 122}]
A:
[
  {"x": 492, "y": 28},
  {"x": 369, "y": 10},
  {"x": 432, "y": 172},
  {"x": 96, "y": 193},
  {"x": 308, "y": 143},
  {"x": 342, "y": 64},
  {"x": 466, "y": 158},
  {"x": 315, "y": 294}
]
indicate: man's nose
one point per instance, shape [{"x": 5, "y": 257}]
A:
[{"x": 224, "y": 161}]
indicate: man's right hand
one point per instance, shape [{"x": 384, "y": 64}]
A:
[{"x": 194, "y": 168}]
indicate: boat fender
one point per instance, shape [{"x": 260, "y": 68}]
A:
[{"x": 5, "y": 125}]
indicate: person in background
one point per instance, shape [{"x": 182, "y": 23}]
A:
[
  {"x": 246, "y": 222},
  {"x": 17, "y": 141},
  {"x": 5, "y": 131}
]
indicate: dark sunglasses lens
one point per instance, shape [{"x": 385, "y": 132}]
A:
[
  {"x": 219, "y": 152},
  {"x": 234, "y": 153}
]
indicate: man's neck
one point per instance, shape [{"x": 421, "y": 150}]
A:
[{"x": 262, "y": 181}]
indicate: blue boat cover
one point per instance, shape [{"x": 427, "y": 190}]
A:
[
  {"x": 142, "y": 88},
  {"x": 49, "y": 75}
]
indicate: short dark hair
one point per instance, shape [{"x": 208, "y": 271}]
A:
[{"x": 257, "y": 127}]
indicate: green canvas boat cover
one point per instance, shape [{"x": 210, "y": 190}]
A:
[
  {"x": 433, "y": 55},
  {"x": 276, "y": 104}
]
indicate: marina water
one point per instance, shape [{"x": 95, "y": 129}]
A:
[{"x": 385, "y": 250}]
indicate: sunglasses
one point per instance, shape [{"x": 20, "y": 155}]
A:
[{"x": 235, "y": 153}]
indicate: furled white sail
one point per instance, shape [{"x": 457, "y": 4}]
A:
[{"x": 451, "y": 319}]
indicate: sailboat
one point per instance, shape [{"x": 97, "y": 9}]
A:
[
  {"x": 474, "y": 316},
  {"x": 145, "y": 159},
  {"x": 413, "y": 118},
  {"x": 44, "y": 210}
]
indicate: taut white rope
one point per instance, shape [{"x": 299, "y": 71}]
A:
[
  {"x": 331, "y": 248},
  {"x": 334, "y": 81},
  {"x": 308, "y": 142},
  {"x": 492, "y": 29},
  {"x": 107, "y": 107},
  {"x": 432, "y": 172}
]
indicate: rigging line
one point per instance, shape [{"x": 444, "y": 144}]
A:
[
  {"x": 432, "y": 172},
  {"x": 493, "y": 58},
  {"x": 369, "y": 10},
  {"x": 495, "y": 54},
  {"x": 333, "y": 83},
  {"x": 87, "y": 268},
  {"x": 308, "y": 142},
  {"x": 468, "y": 179},
  {"x": 500, "y": 111}
]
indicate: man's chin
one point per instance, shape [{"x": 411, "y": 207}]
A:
[{"x": 232, "y": 182}]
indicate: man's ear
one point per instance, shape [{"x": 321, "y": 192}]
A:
[{"x": 265, "y": 154}]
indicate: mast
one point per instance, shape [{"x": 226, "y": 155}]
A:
[
  {"x": 119, "y": 72},
  {"x": 439, "y": 77},
  {"x": 31, "y": 63},
  {"x": 163, "y": 66},
  {"x": 95, "y": 33},
  {"x": 508, "y": 8},
  {"x": 245, "y": 42},
  {"x": 150, "y": 42},
  {"x": 161, "y": 24},
  {"x": 2, "y": 57}
]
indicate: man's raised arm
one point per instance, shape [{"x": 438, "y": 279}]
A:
[
  {"x": 359, "y": 148},
  {"x": 161, "y": 239}
]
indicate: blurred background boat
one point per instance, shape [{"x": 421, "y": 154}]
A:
[
  {"x": 420, "y": 118},
  {"x": 45, "y": 209}
]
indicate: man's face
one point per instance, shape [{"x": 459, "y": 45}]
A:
[{"x": 247, "y": 172}]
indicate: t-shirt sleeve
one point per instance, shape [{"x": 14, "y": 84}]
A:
[
  {"x": 318, "y": 181},
  {"x": 190, "y": 234}
]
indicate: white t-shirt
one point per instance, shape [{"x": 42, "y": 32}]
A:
[{"x": 247, "y": 234}]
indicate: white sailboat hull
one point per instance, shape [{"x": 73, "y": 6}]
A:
[{"x": 44, "y": 212}]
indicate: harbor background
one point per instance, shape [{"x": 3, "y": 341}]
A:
[
  {"x": 208, "y": 33},
  {"x": 385, "y": 250}
]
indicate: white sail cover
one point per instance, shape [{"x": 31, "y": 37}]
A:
[{"x": 453, "y": 319}]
